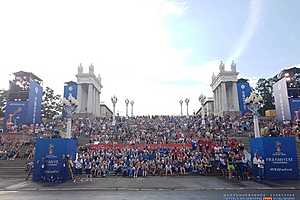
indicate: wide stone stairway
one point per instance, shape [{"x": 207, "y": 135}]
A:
[
  {"x": 16, "y": 168},
  {"x": 12, "y": 168}
]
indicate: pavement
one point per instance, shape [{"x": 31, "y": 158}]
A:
[
  {"x": 189, "y": 187},
  {"x": 155, "y": 195},
  {"x": 184, "y": 183}
]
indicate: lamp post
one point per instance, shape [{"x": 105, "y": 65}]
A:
[
  {"x": 181, "y": 102},
  {"x": 254, "y": 102},
  {"x": 126, "y": 102},
  {"x": 70, "y": 104},
  {"x": 131, "y": 103},
  {"x": 202, "y": 101},
  {"x": 187, "y": 100},
  {"x": 114, "y": 101}
]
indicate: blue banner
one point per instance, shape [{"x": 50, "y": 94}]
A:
[
  {"x": 34, "y": 103},
  {"x": 295, "y": 108},
  {"x": 282, "y": 104},
  {"x": 15, "y": 112},
  {"x": 70, "y": 89},
  {"x": 50, "y": 159},
  {"x": 244, "y": 91},
  {"x": 280, "y": 156}
]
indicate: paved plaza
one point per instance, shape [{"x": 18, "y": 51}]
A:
[
  {"x": 149, "y": 188},
  {"x": 191, "y": 183}
]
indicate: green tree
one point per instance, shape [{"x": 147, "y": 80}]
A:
[
  {"x": 3, "y": 100},
  {"x": 51, "y": 104},
  {"x": 264, "y": 88}
]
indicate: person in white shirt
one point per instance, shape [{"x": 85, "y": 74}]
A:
[
  {"x": 78, "y": 170},
  {"x": 261, "y": 167},
  {"x": 255, "y": 166}
]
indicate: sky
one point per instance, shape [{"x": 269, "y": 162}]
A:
[{"x": 154, "y": 52}]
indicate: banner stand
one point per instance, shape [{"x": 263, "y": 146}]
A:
[
  {"x": 51, "y": 160},
  {"x": 280, "y": 156}
]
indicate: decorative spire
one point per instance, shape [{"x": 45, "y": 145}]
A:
[
  {"x": 213, "y": 77},
  {"x": 222, "y": 66},
  {"x": 233, "y": 66},
  {"x": 80, "y": 69},
  {"x": 91, "y": 69}
]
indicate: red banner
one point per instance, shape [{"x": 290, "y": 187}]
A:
[{"x": 138, "y": 146}]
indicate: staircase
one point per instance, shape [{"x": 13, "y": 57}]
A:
[
  {"x": 12, "y": 168},
  {"x": 298, "y": 153},
  {"x": 244, "y": 140},
  {"x": 83, "y": 140}
]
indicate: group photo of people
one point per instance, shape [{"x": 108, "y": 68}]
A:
[{"x": 144, "y": 146}]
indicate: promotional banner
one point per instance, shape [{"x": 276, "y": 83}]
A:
[
  {"x": 50, "y": 159},
  {"x": 34, "y": 103},
  {"x": 138, "y": 146},
  {"x": 15, "y": 113},
  {"x": 244, "y": 91},
  {"x": 282, "y": 104},
  {"x": 70, "y": 89},
  {"x": 295, "y": 108},
  {"x": 279, "y": 154}
]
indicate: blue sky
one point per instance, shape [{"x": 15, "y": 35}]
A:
[
  {"x": 212, "y": 29},
  {"x": 153, "y": 51}
]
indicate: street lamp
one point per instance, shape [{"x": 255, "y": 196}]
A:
[
  {"x": 114, "y": 101},
  {"x": 131, "y": 103},
  {"x": 254, "y": 102},
  {"x": 187, "y": 100},
  {"x": 126, "y": 102},
  {"x": 181, "y": 102},
  {"x": 70, "y": 104},
  {"x": 202, "y": 101}
]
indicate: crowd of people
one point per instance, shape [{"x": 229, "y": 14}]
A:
[
  {"x": 220, "y": 158},
  {"x": 212, "y": 152},
  {"x": 210, "y": 148}
]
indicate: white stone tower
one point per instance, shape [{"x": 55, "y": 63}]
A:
[
  {"x": 89, "y": 90},
  {"x": 224, "y": 87}
]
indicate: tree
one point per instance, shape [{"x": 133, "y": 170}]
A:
[
  {"x": 51, "y": 104},
  {"x": 264, "y": 88},
  {"x": 3, "y": 100}
]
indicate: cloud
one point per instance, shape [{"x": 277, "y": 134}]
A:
[
  {"x": 253, "y": 19},
  {"x": 127, "y": 42}
]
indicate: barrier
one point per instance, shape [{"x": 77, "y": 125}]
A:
[
  {"x": 51, "y": 159},
  {"x": 280, "y": 157}
]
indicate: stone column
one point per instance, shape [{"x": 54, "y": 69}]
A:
[
  {"x": 98, "y": 105},
  {"x": 218, "y": 101},
  {"x": 79, "y": 98},
  {"x": 235, "y": 97},
  {"x": 90, "y": 98},
  {"x": 95, "y": 97},
  {"x": 215, "y": 102},
  {"x": 214, "y": 111},
  {"x": 224, "y": 97},
  {"x": 94, "y": 109}
]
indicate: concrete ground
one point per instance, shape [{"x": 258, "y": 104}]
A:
[
  {"x": 196, "y": 187},
  {"x": 155, "y": 195}
]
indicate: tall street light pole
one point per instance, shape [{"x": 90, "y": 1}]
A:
[
  {"x": 127, "y": 102},
  {"x": 202, "y": 101},
  {"x": 131, "y": 103},
  {"x": 181, "y": 102},
  {"x": 254, "y": 102},
  {"x": 70, "y": 104},
  {"x": 187, "y": 100},
  {"x": 114, "y": 101}
]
